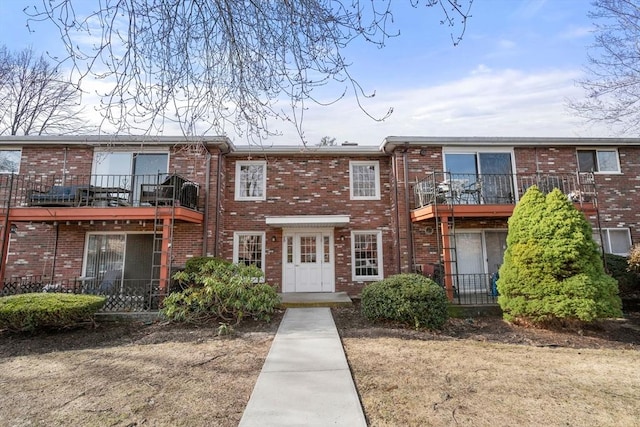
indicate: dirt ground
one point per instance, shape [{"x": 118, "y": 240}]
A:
[{"x": 477, "y": 371}]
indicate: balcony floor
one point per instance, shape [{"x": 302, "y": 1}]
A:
[{"x": 50, "y": 214}]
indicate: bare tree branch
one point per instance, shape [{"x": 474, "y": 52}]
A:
[
  {"x": 207, "y": 65},
  {"x": 35, "y": 99},
  {"x": 613, "y": 83}
]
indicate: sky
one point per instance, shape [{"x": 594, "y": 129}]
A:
[{"x": 511, "y": 75}]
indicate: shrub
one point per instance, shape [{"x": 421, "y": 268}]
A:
[
  {"x": 628, "y": 280},
  {"x": 223, "y": 292},
  {"x": 29, "y": 312},
  {"x": 552, "y": 268},
  {"x": 192, "y": 268},
  {"x": 408, "y": 298}
]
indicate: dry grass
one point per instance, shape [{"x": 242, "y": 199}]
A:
[
  {"x": 186, "y": 380},
  {"x": 470, "y": 383}
]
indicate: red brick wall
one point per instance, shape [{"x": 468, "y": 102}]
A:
[{"x": 310, "y": 185}]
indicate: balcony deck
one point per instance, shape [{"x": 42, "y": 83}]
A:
[{"x": 443, "y": 194}]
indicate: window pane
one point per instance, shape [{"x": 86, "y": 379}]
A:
[
  {"x": 364, "y": 180},
  {"x": 620, "y": 241},
  {"x": 587, "y": 161},
  {"x": 326, "y": 249},
  {"x": 10, "y": 161},
  {"x": 105, "y": 252},
  {"x": 607, "y": 161},
  {"x": 308, "y": 249},
  {"x": 251, "y": 180},
  {"x": 250, "y": 249},
  {"x": 366, "y": 254},
  {"x": 461, "y": 164},
  {"x": 289, "y": 250}
]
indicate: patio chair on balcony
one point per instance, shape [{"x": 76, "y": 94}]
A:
[{"x": 173, "y": 191}]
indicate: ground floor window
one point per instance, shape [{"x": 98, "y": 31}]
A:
[
  {"x": 616, "y": 241},
  {"x": 366, "y": 253},
  {"x": 248, "y": 248}
]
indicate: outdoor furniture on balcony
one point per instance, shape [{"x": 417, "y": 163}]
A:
[
  {"x": 173, "y": 191},
  {"x": 105, "y": 196},
  {"x": 57, "y": 195}
]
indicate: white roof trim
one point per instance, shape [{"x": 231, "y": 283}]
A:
[{"x": 308, "y": 221}]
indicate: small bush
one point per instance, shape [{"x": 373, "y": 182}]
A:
[
  {"x": 223, "y": 292},
  {"x": 408, "y": 298},
  {"x": 29, "y": 312},
  {"x": 188, "y": 277},
  {"x": 628, "y": 280}
]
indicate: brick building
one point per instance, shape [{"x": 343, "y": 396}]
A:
[{"x": 96, "y": 211}]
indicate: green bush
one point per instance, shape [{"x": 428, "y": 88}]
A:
[
  {"x": 628, "y": 280},
  {"x": 552, "y": 268},
  {"x": 193, "y": 267},
  {"x": 223, "y": 292},
  {"x": 408, "y": 298},
  {"x": 29, "y": 312}
]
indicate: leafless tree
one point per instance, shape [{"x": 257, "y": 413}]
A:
[
  {"x": 35, "y": 99},
  {"x": 327, "y": 141},
  {"x": 219, "y": 63},
  {"x": 613, "y": 81}
]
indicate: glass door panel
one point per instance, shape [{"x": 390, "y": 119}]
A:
[{"x": 497, "y": 179}]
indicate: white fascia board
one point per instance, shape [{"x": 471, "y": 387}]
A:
[{"x": 308, "y": 220}]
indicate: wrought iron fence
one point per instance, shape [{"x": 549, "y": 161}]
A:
[
  {"x": 122, "y": 295},
  {"x": 470, "y": 289}
]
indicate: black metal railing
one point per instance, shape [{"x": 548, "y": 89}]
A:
[
  {"x": 99, "y": 190},
  {"x": 122, "y": 295},
  {"x": 468, "y": 289},
  {"x": 474, "y": 189}
]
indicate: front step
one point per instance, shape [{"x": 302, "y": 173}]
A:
[{"x": 315, "y": 299}]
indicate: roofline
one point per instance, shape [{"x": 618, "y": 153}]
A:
[
  {"x": 222, "y": 142},
  {"x": 363, "y": 150},
  {"x": 390, "y": 143}
]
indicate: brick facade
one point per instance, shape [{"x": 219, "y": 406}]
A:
[{"x": 304, "y": 183}]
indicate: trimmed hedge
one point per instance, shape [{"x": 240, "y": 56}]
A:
[
  {"x": 221, "y": 291},
  {"x": 29, "y": 312},
  {"x": 408, "y": 298}
]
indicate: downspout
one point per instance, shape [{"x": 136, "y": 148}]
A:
[
  {"x": 6, "y": 232},
  {"x": 394, "y": 168},
  {"x": 407, "y": 200},
  {"x": 55, "y": 251},
  {"x": 218, "y": 205},
  {"x": 207, "y": 186}
]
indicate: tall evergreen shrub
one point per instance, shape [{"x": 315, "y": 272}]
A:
[{"x": 551, "y": 268}]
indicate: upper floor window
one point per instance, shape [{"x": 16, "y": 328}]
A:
[
  {"x": 366, "y": 253},
  {"x": 251, "y": 180},
  {"x": 365, "y": 180},
  {"x": 605, "y": 161},
  {"x": 10, "y": 161}
]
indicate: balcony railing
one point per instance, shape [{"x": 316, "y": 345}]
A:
[
  {"x": 470, "y": 289},
  {"x": 99, "y": 191},
  {"x": 475, "y": 189},
  {"x": 122, "y": 295}
]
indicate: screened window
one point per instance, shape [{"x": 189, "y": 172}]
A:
[
  {"x": 367, "y": 255},
  {"x": 481, "y": 177},
  {"x": 248, "y": 248},
  {"x": 10, "y": 161},
  {"x": 615, "y": 240},
  {"x": 598, "y": 161},
  {"x": 365, "y": 180},
  {"x": 251, "y": 178}
]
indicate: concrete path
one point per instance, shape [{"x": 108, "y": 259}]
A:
[{"x": 305, "y": 380}]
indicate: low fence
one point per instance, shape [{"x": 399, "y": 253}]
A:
[
  {"x": 122, "y": 295},
  {"x": 470, "y": 289}
]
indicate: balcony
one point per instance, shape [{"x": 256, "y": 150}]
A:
[
  {"x": 42, "y": 198},
  {"x": 493, "y": 194}
]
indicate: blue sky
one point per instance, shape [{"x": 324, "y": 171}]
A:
[{"x": 510, "y": 76}]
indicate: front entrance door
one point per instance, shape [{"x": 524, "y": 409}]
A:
[{"x": 308, "y": 261}]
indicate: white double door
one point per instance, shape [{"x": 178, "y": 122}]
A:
[{"x": 308, "y": 260}]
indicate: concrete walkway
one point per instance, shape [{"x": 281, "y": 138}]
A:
[{"x": 305, "y": 380}]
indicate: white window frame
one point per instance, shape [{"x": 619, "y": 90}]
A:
[
  {"x": 239, "y": 165},
  {"x": 596, "y": 150},
  {"x": 606, "y": 238},
  {"x": 236, "y": 246},
  {"x": 379, "y": 259},
  {"x": 376, "y": 166},
  {"x": 18, "y": 150}
]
